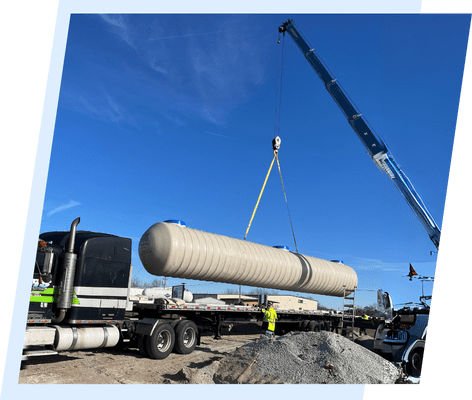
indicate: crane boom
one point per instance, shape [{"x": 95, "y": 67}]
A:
[{"x": 375, "y": 146}]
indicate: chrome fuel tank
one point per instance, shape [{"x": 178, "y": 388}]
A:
[{"x": 173, "y": 250}]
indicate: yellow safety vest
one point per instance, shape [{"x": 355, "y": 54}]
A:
[{"x": 270, "y": 316}]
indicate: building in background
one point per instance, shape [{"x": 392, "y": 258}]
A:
[
  {"x": 228, "y": 298},
  {"x": 135, "y": 291},
  {"x": 293, "y": 302},
  {"x": 280, "y": 301},
  {"x": 234, "y": 299}
]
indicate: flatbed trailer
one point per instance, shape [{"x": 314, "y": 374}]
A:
[
  {"x": 157, "y": 328},
  {"x": 214, "y": 316}
]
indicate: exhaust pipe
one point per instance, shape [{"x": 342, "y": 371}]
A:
[
  {"x": 73, "y": 230},
  {"x": 64, "y": 301}
]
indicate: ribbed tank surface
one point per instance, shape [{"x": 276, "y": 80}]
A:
[{"x": 172, "y": 250}]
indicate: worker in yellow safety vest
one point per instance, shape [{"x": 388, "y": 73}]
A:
[
  {"x": 269, "y": 320},
  {"x": 362, "y": 330}
]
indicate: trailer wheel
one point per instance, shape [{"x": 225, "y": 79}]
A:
[
  {"x": 313, "y": 327},
  {"x": 160, "y": 344},
  {"x": 304, "y": 325},
  {"x": 186, "y": 334}
]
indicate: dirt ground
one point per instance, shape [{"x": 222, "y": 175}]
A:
[{"x": 113, "y": 366}]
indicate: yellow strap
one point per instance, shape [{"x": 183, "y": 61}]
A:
[{"x": 260, "y": 195}]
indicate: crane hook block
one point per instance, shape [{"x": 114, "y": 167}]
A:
[{"x": 276, "y": 144}]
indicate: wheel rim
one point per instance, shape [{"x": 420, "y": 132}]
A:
[
  {"x": 163, "y": 341},
  {"x": 188, "y": 337}
]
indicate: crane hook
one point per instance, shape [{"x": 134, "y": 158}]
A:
[{"x": 276, "y": 144}]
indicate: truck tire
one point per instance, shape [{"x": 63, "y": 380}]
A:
[
  {"x": 313, "y": 327},
  {"x": 186, "y": 337},
  {"x": 141, "y": 345},
  {"x": 415, "y": 362},
  {"x": 161, "y": 342},
  {"x": 304, "y": 325}
]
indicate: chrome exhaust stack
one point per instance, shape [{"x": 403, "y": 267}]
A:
[{"x": 64, "y": 301}]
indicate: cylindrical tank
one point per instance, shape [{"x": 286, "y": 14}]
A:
[
  {"x": 159, "y": 293},
  {"x": 78, "y": 338},
  {"x": 173, "y": 250}
]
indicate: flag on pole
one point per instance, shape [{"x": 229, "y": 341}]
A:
[{"x": 412, "y": 272}]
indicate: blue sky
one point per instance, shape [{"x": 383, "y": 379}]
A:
[{"x": 172, "y": 116}]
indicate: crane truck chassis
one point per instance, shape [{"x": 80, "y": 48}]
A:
[
  {"x": 81, "y": 299},
  {"x": 402, "y": 338}
]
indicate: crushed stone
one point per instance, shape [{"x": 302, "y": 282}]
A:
[
  {"x": 305, "y": 358},
  {"x": 201, "y": 375}
]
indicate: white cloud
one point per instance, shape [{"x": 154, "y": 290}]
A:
[
  {"x": 99, "y": 105},
  {"x": 154, "y": 64},
  {"x": 208, "y": 116},
  {"x": 116, "y": 20},
  {"x": 371, "y": 264},
  {"x": 70, "y": 204},
  {"x": 119, "y": 26},
  {"x": 115, "y": 112},
  {"x": 210, "y": 61}
]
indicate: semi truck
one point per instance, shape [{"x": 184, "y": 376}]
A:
[{"x": 80, "y": 297}]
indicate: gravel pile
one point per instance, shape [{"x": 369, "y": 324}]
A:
[
  {"x": 202, "y": 375},
  {"x": 306, "y": 358}
]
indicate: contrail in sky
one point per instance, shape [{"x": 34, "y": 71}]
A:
[
  {"x": 190, "y": 34},
  {"x": 217, "y": 134},
  {"x": 70, "y": 204}
]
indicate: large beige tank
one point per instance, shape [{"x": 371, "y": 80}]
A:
[{"x": 172, "y": 250}]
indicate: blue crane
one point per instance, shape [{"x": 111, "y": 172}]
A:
[{"x": 375, "y": 146}]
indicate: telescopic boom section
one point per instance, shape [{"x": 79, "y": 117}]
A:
[{"x": 375, "y": 146}]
